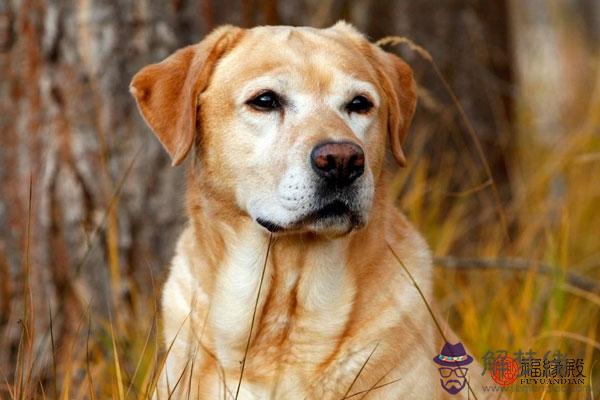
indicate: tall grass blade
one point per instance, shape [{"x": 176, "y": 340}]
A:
[{"x": 262, "y": 276}]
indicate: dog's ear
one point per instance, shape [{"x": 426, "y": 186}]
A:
[
  {"x": 167, "y": 92},
  {"x": 400, "y": 89}
]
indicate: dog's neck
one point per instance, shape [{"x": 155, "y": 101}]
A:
[{"x": 308, "y": 278}]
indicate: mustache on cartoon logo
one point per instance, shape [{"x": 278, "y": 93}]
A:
[{"x": 453, "y": 386}]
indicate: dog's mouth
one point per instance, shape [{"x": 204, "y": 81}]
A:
[
  {"x": 269, "y": 225},
  {"x": 336, "y": 208},
  {"x": 334, "y": 213}
]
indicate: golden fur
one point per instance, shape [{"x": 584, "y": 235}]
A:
[{"x": 329, "y": 301}]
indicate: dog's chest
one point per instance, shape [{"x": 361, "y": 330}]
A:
[{"x": 303, "y": 306}]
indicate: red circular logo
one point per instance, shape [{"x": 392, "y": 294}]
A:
[{"x": 504, "y": 371}]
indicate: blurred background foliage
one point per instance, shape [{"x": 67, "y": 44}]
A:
[{"x": 507, "y": 194}]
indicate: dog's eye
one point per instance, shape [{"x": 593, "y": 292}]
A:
[
  {"x": 359, "y": 104},
  {"x": 265, "y": 101}
]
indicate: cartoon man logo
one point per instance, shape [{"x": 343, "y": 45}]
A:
[{"x": 452, "y": 360}]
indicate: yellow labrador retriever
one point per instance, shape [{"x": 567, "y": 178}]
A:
[{"x": 284, "y": 285}]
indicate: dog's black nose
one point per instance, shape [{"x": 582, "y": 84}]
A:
[{"x": 338, "y": 163}]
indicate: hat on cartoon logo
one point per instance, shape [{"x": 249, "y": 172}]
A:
[
  {"x": 453, "y": 355},
  {"x": 452, "y": 361}
]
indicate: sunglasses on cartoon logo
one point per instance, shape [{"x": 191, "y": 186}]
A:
[{"x": 459, "y": 372}]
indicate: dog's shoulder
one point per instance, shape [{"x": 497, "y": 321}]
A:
[
  {"x": 186, "y": 284},
  {"x": 405, "y": 245}
]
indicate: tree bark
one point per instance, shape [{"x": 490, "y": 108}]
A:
[{"x": 105, "y": 208}]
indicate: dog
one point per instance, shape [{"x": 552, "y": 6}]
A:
[{"x": 294, "y": 276}]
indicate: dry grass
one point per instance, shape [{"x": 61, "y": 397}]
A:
[
  {"x": 553, "y": 217},
  {"x": 512, "y": 309}
]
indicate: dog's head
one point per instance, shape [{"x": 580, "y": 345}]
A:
[{"x": 290, "y": 123}]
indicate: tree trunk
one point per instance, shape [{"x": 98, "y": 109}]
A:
[{"x": 105, "y": 207}]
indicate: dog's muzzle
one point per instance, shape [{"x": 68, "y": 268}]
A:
[{"x": 337, "y": 192}]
